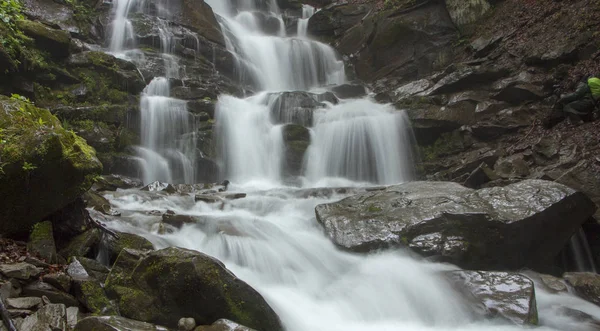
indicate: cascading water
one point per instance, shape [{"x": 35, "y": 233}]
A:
[
  {"x": 168, "y": 150},
  {"x": 307, "y": 12},
  {"x": 271, "y": 238}
]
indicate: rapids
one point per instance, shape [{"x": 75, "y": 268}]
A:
[{"x": 271, "y": 238}]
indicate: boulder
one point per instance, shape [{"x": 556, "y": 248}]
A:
[
  {"x": 186, "y": 324},
  {"x": 60, "y": 280},
  {"x": 114, "y": 246},
  {"x": 36, "y": 149},
  {"x": 498, "y": 294},
  {"x": 459, "y": 225},
  {"x": 40, "y": 289},
  {"x": 49, "y": 317},
  {"x": 296, "y": 140},
  {"x": 333, "y": 21},
  {"x": 585, "y": 284},
  {"x": 41, "y": 242},
  {"x": 114, "y": 323},
  {"x": 89, "y": 291},
  {"x": 114, "y": 182},
  {"x": 161, "y": 286},
  {"x": 85, "y": 244},
  {"x": 198, "y": 16},
  {"x": 21, "y": 270},
  {"x": 24, "y": 303},
  {"x": 99, "y": 203},
  {"x": 54, "y": 41}
]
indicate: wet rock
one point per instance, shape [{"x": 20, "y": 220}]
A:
[
  {"x": 482, "y": 46},
  {"x": 89, "y": 291},
  {"x": 327, "y": 97},
  {"x": 49, "y": 317},
  {"x": 480, "y": 176},
  {"x": 554, "y": 284},
  {"x": 224, "y": 325},
  {"x": 349, "y": 91},
  {"x": 471, "y": 160},
  {"x": 94, "y": 268},
  {"x": 233, "y": 196},
  {"x": 72, "y": 317},
  {"x": 581, "y": 177},
  {"x": 585, "y": 284},
  {"x": 41, "y": 242},
  {"x": 39, "y": 156},
  {"x": 114, "y": 323},
  {"x": 159, "y": 187},
  {"x": 507, "y": 295},
  {"x": 60, "y": 280},
  {"x": 293, "y": 107},
  {"x": 207, "y": 198},
  {"x": 99, "y": 203},
  {"x": 296, "y": 140},
  {"x": 199, "y": 16},
  {"x": 513, "y": 166},
  {"x": 412, "y": 88},
  {"x": 24, "y": 303},
  {"x": 467, "y": 77},
  {"x": 335, "y": 20},
  {"x": 207, "y": 106},
  {"x": 186, "y": 324},
  {"x": 54, "y": 41},
  {"x": 40, "y": 288},
  {"x": 115, "y": 182},
  {"x": 460, "y": 225},
  {"x": 178, "y": 220},
  {"x": 163, "y": 285},
  {"x": 21, "y": 270},
  {"x": 10, "y": 289},
  {"x": 84, "y": 244}
]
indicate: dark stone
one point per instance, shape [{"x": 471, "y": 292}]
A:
[
  {"x": 39, "y": 289},
  {"x": 460, "y": 225},
  {"x": 585, "y": 284},
  {"x": 349, "y": 91},
  {"x": 114, "y": 323},
  {"x": 164, "y": 285},
  {"x": 296, "y": 139}
]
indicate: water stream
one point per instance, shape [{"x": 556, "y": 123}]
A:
[{"x": 271, "y": 238}]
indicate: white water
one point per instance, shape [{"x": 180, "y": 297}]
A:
[
  {"x": 307, "y": 12},
  {"x": 271, "y": 238}
]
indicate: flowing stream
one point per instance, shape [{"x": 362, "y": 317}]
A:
[{"x": 271, "y": 238}]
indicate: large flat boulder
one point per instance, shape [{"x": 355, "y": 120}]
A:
[
  {"x": 525, "y": 224},
  {"x": 162, "y": 286},
  {"x": 44, "y": 167}
]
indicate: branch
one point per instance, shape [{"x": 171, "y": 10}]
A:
[{"x": 6, "y": 317}]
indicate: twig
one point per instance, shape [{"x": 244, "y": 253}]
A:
[
  {"x": 6, "y": 317},
  {"x": 101, "y": 227}
]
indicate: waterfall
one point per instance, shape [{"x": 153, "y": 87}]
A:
[
  {"x": 578, "y": 253},
  {"x": 168, "y": 143},
  {"x": 307, "y": 12}
]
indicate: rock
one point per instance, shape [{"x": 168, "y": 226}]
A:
[
  {"x": 49, "y": 317},
  {"x": 178, "y": 220},
  {"x": 464, "y": 13},
  {"x": 554, "y": 284},
  {"x": 125, "y": 240},
  {"x": 60, "y": 280},
  {"x": 508, "y": 295},
  {"x": 202, "y": 106},
  {"x": 54, "y": 41},
  {"x": 482, "y": 46},
  {"x": 471, "y": 160},
  {"x": 41, "y": 242},
  {"x": 24, "y": 303},
  {"x": 581, "y": 177},
  {"x": 39, "y": 150},
  {"x": 94, "y": 268},
  {"x": 199, "y": 16},
  {"x": 293, "y": 107},
  {"x": 39, "y": 289},
  {"x": 412, "y": 88},
  {"x": 114, "y": 323},
  {"x": 513, "y": 166},
  {"x": 163, "y": 285},
  {"x": 585, "y": 284},
  {"x": 115, "y": 182},
  {"x": 208, "y": 198},
  {"x": 296, "y": 140},
  {"x": 466, "y": 77},
  {"x": 89, "y": 291},
  {"x": 480, "y": 176},
  {"x": 84, "y": 244},
  {"x": 327, "y": 97},
  {"x": 122, "y": 74},
  {"x": 21, "y": 270},
  {"x": 407, "y": 44},
  {"x": 459, "y": 225},
  {"x": 186, "y": 324},
  {"x": 333, "y": 21},
  {"x": 224, "y": 325},
  {"x": 10, "y": 289},
  {"x": 349, "y": 91},
  {"x": 99, "y": 203},
  {"x": 72, "y": 317},
  {"x": 159, "y": 187}
]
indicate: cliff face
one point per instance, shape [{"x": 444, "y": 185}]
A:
[{"x": 480, "y": 81}]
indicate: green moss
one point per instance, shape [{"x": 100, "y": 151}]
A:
[
  {"x": 95, "y": 299},
  {"x": 40, "y": 30},
  {"x": 447, "y": 144},
  {"x": 373, "y": 209}
]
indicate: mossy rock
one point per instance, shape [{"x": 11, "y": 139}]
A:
[
  {"x": 41, "y": 242},
  {"x": 126, "y": 240},
  {"x": 161, "y": 286},
  {"x": 92, "y": 296},
  {"x": 56, "y": 42},
  {"x": 40, "y": 162},
  {"x": 296, "y": 141},
  {"x": 84, "y": 244},
  {"x": 113, "y": 323}
]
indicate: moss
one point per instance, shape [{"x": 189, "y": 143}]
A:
[
  {"x": 41, "y": 241},
  {"x": 95, "y": 299},
  {"x": 373, "y": 209},
  {"x": 447, "y": 144},
  {"x": 39, "y": 30},
  {"x": 82, "y": 245}
]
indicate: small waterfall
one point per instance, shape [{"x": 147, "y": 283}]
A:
[
  {"x": 122, "y": 30},
  {"x": 578, "y": 253},
  {"x": 361, "y": 141},
  {"x": 166, "y": 146},
  {"x": 307, "y": 12}
]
